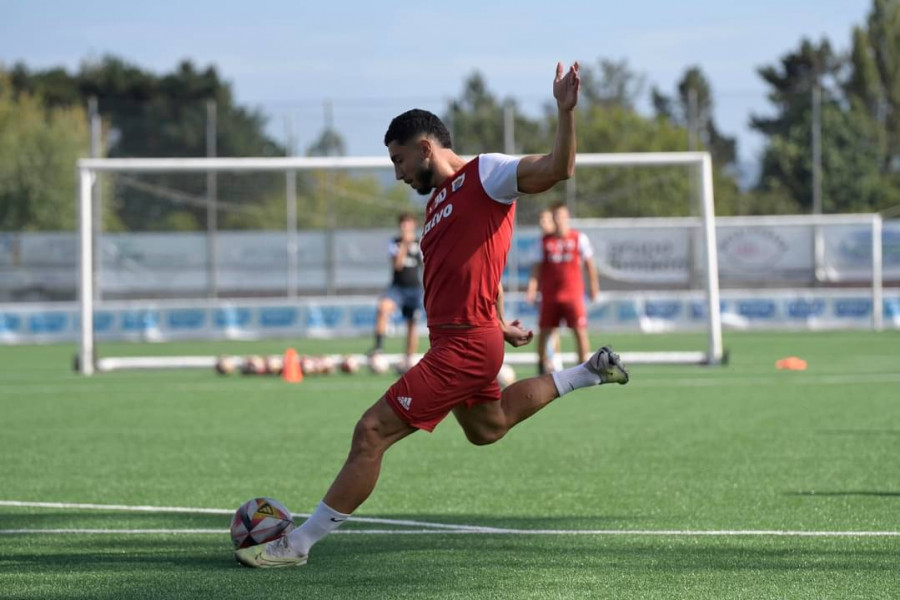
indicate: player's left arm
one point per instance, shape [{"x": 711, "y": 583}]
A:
[
  {"x": 586, "y": 251},
  {"x": 537, "y": 174},
  {"x": 593, "y": 280},
  {"x": 514, "y": 334}
]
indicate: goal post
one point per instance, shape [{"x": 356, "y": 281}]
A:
[{"x": 698, "y": 164}]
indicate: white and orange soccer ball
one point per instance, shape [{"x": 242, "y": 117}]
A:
[{"x": 259, "y": 521}]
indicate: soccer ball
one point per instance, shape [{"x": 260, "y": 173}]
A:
[
  {"x": 254, "y": 365},
  {"x": 274, "y": 364},
  {"x": 327, "y": 365},
  {"x": 349, "y": 364},
  {"x": 506, "y": 376},
  {"x": 226, "y": 365},
  {"x": 378, "y": 364},
  {"x": 259, "y": 521}
]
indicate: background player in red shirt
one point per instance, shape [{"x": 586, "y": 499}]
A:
[
  {"x": 565, "y": 253},
  {"x": 465, "y": 239}
]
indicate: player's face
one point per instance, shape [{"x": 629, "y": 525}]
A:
[
  {"x": 561, "y": 219},
  {"x": 411, "y": 165},
  {"x": 408, "y": 227},
  {"x": 545, "y": 222}
]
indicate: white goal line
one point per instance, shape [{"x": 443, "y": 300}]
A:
[{"x": 424, "y": 527}]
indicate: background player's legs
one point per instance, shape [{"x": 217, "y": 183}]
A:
[
  {"x": 545, "y": 336},
  {"x": 582, "y": 343},
  {"x": 412, "y": 337},
  {"x": 386, "y": 307}
]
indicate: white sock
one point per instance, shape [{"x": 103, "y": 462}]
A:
[
  {"x": 573, "y": 378},
  {"x": 323, "y": 521}
]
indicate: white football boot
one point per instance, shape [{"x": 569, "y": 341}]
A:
[
  {"x": 271, "y": 555},
  {"x": 607, "y": 365}
]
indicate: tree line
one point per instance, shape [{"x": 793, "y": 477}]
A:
[{"x": 854, "y": 96}]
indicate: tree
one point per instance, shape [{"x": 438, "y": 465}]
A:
[
  {"x": 162, "y": 116},
  {"x": 38, "y": 150},
  {"x": 851, "y": 152},
  {"x": 476, "y": 121}
]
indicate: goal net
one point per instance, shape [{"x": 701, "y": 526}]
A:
[{"x": 249, "y": 248}]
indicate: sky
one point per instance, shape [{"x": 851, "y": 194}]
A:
[{"x": 373, "y": 60}]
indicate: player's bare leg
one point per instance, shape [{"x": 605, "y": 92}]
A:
[
  {"x": 582, "y": 343},
  {"x": 377, "y": 430},
  {"x": 412, "y": 339},
  {"x": 544, "y": 335},
  {"x": 386, "y": 307},
  {"x": 487, "y": 423}
]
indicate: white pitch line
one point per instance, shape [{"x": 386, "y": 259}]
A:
[
  {"x": 429, "y": 528},
  {"x": 554, "y": 532},
  {"x": 225, "y": 511}
]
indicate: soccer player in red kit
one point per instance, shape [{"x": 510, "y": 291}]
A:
[
  {"x": 565, "y": 252},
  {"x": 466, "y": 236}
]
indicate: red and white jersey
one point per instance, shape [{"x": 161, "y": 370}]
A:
[
  {"x": 465, "y": 240},
  {"x": 563, "y": 257}
]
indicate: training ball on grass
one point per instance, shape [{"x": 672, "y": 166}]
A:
[
  {"x": 378, "y": 364},
  {"x": 506, "y": 376},
  {"x": 226, "y": 365},
  {"x": 259, "y": 521},
  {"x": 254, "y": 365},
  {"x": 274, "y": 364},
  {"x": 349, "y": 364}
]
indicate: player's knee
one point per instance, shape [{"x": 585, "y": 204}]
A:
[
  {"x": 484, "y": 436},
  {"x": 367, "y": 438}
]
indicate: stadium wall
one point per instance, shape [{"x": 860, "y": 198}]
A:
[{"x": 656, "y": 312}]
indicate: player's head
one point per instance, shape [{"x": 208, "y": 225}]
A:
[
  {"x": 545, "y": 222},
  {"x": 413, "y": 139},
  {"x": 405, "y": 221},
  {"x": 560, "y": 217}
]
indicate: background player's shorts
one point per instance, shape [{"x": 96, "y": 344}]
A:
[
  {"x": 460, "y": 368},
  {"x": 409, "y": 299},
  {"x": 554, "y": 312}
]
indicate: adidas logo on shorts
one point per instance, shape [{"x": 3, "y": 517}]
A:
[{"x": 404, "y": 401}]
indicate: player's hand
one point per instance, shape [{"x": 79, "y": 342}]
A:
[
  {"x": 516, "y": 335},
  {"x": 565, "y": 87}
]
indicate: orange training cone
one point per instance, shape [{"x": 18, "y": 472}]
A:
[
  {"x": 791, "y": 363},
  {"x": 291, "y": 371}
]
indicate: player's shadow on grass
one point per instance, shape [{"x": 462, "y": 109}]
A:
[
  {"x": 366, "y": 559},
  {"x": 875, "y": 493}
]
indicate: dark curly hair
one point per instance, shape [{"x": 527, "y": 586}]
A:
[{"x": 414, "y": 122}]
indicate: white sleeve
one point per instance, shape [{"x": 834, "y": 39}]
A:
[
  {"x": 498, "y": 176},
  {"x": 393, "y": 249},
  {"x": 584, "y": 246}
]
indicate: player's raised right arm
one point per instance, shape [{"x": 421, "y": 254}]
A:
[{"x": 537, "y": 174}]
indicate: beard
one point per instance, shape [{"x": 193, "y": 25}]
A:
[{"x": 423, "y": 180}]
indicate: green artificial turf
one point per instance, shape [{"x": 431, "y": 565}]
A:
[{"x": 692, "y": 449}]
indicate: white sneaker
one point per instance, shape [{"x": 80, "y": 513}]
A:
[
  {"x": 270, "y": 556},
  {"x": 607, "y": 365}
]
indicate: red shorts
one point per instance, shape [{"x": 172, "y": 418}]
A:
[
  {"x": 460, "y": 368},
  {"x": 554, "y": 312}
]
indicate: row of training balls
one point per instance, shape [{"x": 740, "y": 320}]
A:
[
  {"x": 326, "y": 365},
  {"x": 310, "y": 365}
]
